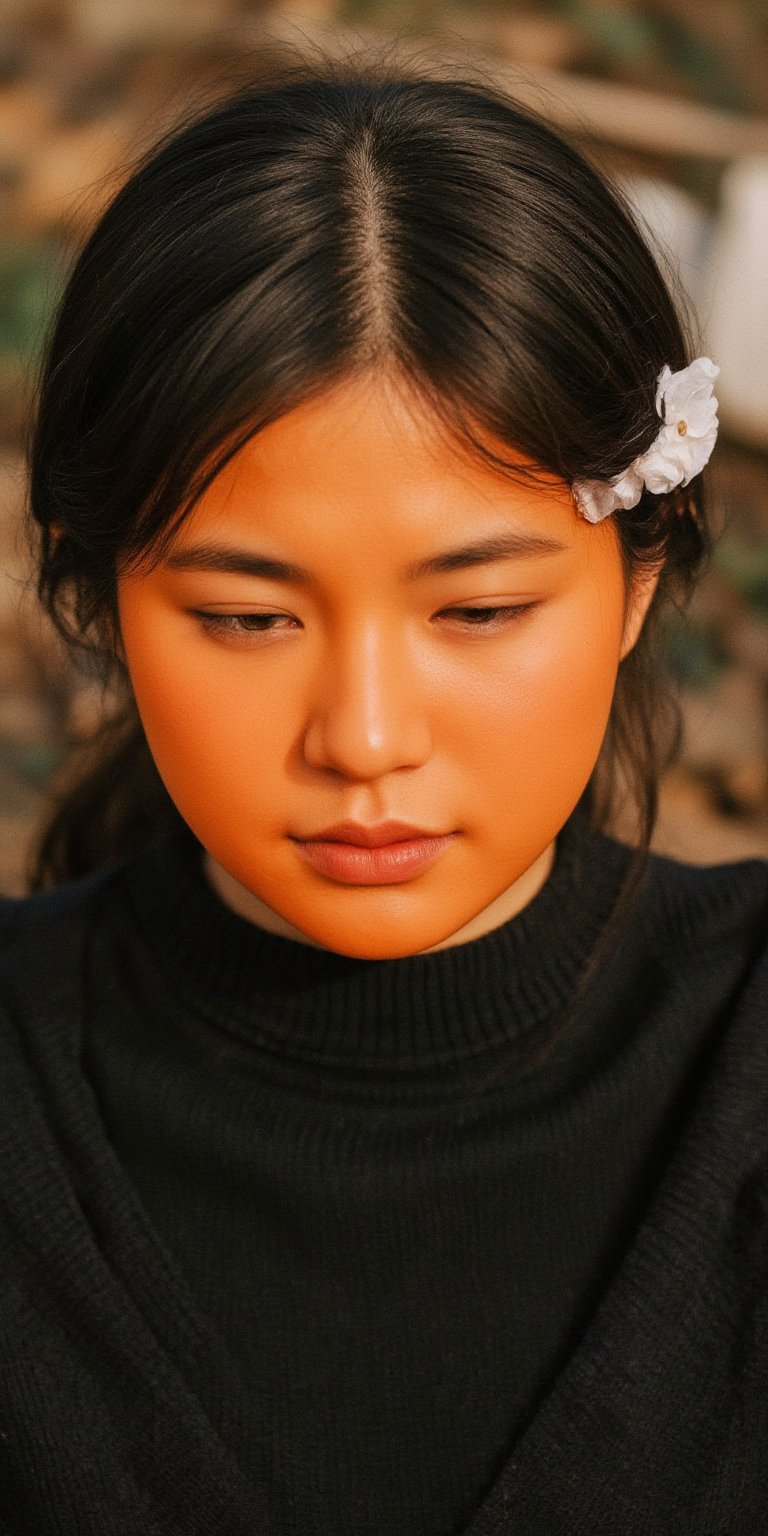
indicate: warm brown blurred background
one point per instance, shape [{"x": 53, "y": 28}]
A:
[{"x": 671, "y": 96}]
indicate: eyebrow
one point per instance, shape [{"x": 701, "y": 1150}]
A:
[{"x": 243, "y": 562}]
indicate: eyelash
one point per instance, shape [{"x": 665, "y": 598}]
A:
[{"x": 492, "y": 619}]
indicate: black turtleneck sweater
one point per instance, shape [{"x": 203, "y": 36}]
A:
[{"x": 370, "y": 1234}]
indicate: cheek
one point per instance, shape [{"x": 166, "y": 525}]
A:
[
  {"x": 206, "y": 727},
  {"x": 537, "y": 725},
  {"x": 567, "y": 695}
]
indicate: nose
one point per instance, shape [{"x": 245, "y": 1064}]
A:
[{"x": 365, "y": 720}]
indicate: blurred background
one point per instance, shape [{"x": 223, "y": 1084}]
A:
[{"x": 669, "y": 97}]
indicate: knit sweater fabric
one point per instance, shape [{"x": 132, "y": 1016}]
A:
[{"x": 303, "y": 1245}]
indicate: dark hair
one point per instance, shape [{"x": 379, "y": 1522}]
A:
[{"x": 298, "y": 233}]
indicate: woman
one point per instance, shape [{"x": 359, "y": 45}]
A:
[{"x": 385, "y": 1141}]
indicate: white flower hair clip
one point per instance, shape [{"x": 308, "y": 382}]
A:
[{"x": 688, "y": 408}]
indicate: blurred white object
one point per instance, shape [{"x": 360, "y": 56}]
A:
[
  {"x": 736, "y": 310},
  {"x": 680, "y": 232}
]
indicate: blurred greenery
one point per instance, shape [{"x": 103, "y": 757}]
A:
[
  {"x": 656, "y": 34},
  {"x": 744, "y": 563},
  {"x": 694, "y": 650},
  {"x": 29, "y": 284},
  {"x": 33, "y": 762},
  {"x": 619, "y": 33}
]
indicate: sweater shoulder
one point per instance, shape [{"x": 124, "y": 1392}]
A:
[
  {"x": 37, "y": 918},
  {"x": 695, "y": 904}
]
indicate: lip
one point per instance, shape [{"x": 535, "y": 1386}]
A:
[
  {"x": 388, "y": 863},
  {"x": 361, "y": 836}
]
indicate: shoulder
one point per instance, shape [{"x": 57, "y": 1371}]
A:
[
  {"x": 698, "y": 942},
  {"x": 49, "y": 905},
  {"x": 30, "y": 925},
  {"x": 695, "y": 904},
  {"x": 698, "y": 938},
  {"x": 43, "y": 938},
  {"x": 690, "y": 938}
]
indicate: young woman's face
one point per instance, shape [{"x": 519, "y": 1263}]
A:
[{"x": 322, "y": 646}]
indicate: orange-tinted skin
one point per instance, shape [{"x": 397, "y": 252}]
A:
[{"x": 370, "y": 699}]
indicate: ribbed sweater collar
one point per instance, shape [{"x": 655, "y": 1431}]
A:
[{"x": 317, "y": 1005}]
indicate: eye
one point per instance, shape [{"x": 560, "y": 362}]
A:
[
  {"x": 239, "y": 624},
  {"x": 492, "y": 618}
]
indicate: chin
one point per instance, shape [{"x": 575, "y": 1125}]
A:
[
  {"x": 371, "y": 951},
  {"x": 379, "y": 946}
]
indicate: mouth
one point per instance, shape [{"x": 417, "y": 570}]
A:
[
  {"x": 385, "y": 863},
  {"x": 362, "y": 836}
]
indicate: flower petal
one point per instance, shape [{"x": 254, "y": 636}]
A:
[
  {"x": 675, "y": 456},
  {"x": 676, "y": 392},
  {"x": 596, "y": 499}
]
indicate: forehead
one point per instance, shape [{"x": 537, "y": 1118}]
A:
[{"x": 363, "y": 463}]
